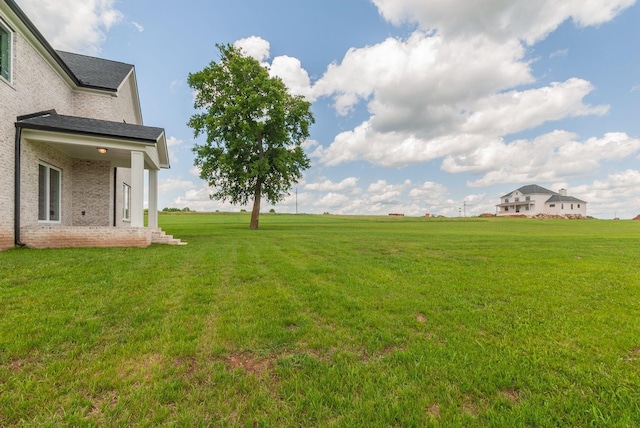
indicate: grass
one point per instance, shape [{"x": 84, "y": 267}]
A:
[{"x": 328, "y": 321}]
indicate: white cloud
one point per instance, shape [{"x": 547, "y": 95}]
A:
[
  {"x": 137, "y": 26},
  {"x": 73, "y": 25},
  {"x": 514, "y": 111},
  {"x": 430, "y": 97},
  {"x": 559, "y": 54},
  {"x": 293, "y": 75},
  {"x": 550, "y": 157},
  {"x": 430, "y": 192},
  {"x": 332, "y": 200},
  {"x": 382, "y": 192},
  {"x": 172, "y": 184},
  {"x": 615, "y": 195},
  {"x": 424, "y": 76},
  {"x": 254, "y": 46},
  {"x": 172, "y": 143},
  {"x": 327, "y": 185},
  {"x": 500, "y": 19}
]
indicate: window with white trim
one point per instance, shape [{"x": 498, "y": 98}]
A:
[
  {"x": 49, "y": 193},
  {"x": 5, "y": 52},
  {"x": 126, "y": 202}
]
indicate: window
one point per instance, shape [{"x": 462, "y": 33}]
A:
[
  {"x": 49, "y": 191},
  {"x": 5, "y": 52},
  {"x": 526, "y": 208},
  {"x": 517, "y": 199},
  {"x": 527, "y": 198},
  {"x": 126, "y": 202},
  {"x": 506, "y": 201},
  {"x": 552, "y": 205}
]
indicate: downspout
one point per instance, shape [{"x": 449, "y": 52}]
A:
[
  {"x": 16, "y": 197},
  {"x": 115, "y": 195}
]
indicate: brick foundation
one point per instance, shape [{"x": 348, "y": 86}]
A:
[{"x": 81, "y": 237}]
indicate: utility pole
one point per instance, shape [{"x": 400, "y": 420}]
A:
[{"x": 465, "y": 208}]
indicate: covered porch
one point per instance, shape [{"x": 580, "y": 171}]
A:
[{"x": 81, "y": 182}]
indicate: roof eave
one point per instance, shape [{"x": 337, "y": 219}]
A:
[{"x": 46, "y": 128}]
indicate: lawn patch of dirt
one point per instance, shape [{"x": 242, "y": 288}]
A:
[
  {"x": 633, "y": 355},
  {"x": 513, "y": 395},
  {"x": 433, "y": 411},
  {"x": 250, "y": 363}
]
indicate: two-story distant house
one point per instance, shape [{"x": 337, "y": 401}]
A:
[
  {"x": 533, "y": 200},
  {"x": 73, "y": 148}
]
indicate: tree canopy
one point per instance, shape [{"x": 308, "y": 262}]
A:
[{"x": 254, "y": 131}]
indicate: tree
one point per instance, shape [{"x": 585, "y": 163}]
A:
[{"x": 254, "y": 128}]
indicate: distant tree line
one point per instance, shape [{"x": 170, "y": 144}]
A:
[{"x": 177, "y": 210}]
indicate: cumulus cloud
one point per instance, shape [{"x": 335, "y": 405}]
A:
[
  {"x": 430, "y": 192},
  {"x": 430, "y": 97},
  {"x": 296, "y": 78},
  {"x": 289, "y": 69},
  {"x": 547, "y": 158},
  {"x": 424, "y": 76},
  {"x": 73, "y": 25},
  {"x": 501, "y": 20},
  {"x": 172, "y": 184},
  {"x": 614, "y": 196},
  {"x": 254, "y": 46},
  {"x": 326, "y": 185}
]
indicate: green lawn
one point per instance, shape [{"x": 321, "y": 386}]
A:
[{"x": 329, "y": 321}]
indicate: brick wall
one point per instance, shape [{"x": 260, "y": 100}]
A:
[
  {"x": 91, "y": 184},
  {"x": 38, "y": 86},
  {"x": 79, "y": 237}
]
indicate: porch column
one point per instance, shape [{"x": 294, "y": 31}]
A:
[
  {"x": 153, "y": 198},
  {"x": 137, "y": 189}
]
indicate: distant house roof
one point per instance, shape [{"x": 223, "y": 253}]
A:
[
  {"x": 561, "y": 198},
  {"x": 51, "y": 121},
  {"x": 533, "y": 189},
  {"x": 96, "y": 72}
]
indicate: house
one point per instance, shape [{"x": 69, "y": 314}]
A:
[
  {"x": 533, "y": 200},
  {"x": 73, "y": 148}
]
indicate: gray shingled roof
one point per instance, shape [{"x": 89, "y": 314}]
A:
[
  {"x": 532, "y": 189},
  {"x": 50, "y": 121},
  {"x": 560, "y": 198},
  {"x": 85, "y": 71},
  {"x": 96, "y": 72}
]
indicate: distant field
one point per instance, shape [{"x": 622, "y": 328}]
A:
[{"x": 329, "y": 321}]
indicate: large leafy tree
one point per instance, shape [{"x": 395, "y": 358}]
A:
[{"x": 254, "y": 131}]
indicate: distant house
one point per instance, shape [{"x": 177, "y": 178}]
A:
[
  {"x": 533, "y": 200},
  {"x": 73, "y": 148}
]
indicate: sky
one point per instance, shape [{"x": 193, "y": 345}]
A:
[{"x": 421, "y": 106}]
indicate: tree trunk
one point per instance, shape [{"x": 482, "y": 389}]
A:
[{"x": 255, "y": 214}]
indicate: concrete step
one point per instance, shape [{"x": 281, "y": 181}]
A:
[{"x": 158, "y": 236}]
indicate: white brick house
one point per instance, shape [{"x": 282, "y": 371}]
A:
[
  {"x": 533, "y": 200},
  {"x": 73, "y": 148}
]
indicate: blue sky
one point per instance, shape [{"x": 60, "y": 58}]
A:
[{"x": 421, "y": 106}]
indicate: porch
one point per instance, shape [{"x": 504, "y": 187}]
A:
[{"x": 81, "y": 182}]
